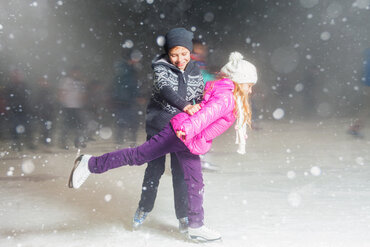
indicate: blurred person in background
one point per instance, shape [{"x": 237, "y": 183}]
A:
[
  {"x": 357, "y": 125},
  {"x": 44, "y": 108},
  {"x": 309, "y": 90},
  {"x": 3, "y": 116},
  {"x": 18, "y": 102},
  {"x": 124, "y": 99},
  {"x": 95, "y": 108},
  {"x": 200, "y": 55},
  {"x": 72, "y": 98}
]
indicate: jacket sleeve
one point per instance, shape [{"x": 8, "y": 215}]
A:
[
  {"x": 164, "y": 88},
  {"x": 210, "y": 112}
]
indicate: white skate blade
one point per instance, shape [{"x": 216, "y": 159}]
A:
[{"x": 200, "y": 239}]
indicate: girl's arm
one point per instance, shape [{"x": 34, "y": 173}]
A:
[{"x": 210, "y": 112}]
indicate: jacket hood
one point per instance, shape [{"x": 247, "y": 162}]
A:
[
  {"x": 225, "y": 83},
  {"x": 222, "y": 84}
]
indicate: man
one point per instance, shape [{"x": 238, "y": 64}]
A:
[{"x": 178, "y": 83}]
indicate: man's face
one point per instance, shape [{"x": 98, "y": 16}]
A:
[{"x": 179, "y": 56}]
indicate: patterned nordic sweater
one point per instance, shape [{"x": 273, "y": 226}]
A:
[{"x": 172, "y": 90}]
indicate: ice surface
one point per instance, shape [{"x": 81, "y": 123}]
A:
[{"x": 321, "y": 197}]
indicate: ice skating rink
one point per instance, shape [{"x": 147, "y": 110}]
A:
[{"x": 300, "y": 184}]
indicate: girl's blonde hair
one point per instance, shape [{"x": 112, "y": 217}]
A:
[{"x": 247, "y": 111}]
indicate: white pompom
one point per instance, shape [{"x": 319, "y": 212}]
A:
[{"x": 235, "y": 56}]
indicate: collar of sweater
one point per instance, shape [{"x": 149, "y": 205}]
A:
[{"x": 163, "y": 60}]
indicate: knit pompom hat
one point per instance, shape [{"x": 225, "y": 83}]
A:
[{"x": 239, "y": 70}]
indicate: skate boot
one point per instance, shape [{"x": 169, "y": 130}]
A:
[
  {"x": 183, "y": 225},
  {"x": 80, "y": 171},
  {"x": 139, "y": 218},
  {"x": 203, "y": 234}
]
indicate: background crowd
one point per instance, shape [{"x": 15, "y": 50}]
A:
[{"x": 69, "y": 110}]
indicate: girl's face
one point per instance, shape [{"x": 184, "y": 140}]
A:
[
  {"x": 246, "y": 87},
  {"x": 179, "y": 56}
]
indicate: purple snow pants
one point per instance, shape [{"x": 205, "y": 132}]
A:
[{"x": 164, "y": 142}]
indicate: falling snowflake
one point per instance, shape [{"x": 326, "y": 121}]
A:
[
  {"x": 128, "y": 44},
  {"x": 299, "y": 87},
  {"x": 209, "y": 17},
  {"x": 28, "y": 166},
  {"x": 291, "y": 174},
  {"x": 108, "y": 197},
  {"x": 278, "y": 114},
  {"x": 20, "y": 129},
  {"x": 105, "y": 133},
  {"x": 315, "y": 171},
  {"x": 161, "y": 40},
  {"x": 325, "y": 36}
]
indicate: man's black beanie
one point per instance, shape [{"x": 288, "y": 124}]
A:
[{"x": 179, "y": 37}]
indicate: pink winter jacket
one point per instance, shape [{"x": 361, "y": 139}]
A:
[{"x": 215, "y": 117}]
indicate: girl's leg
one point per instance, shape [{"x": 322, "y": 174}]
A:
[
  {"x": 164, "y": 142},
  {"x": 191, "y": 166}
]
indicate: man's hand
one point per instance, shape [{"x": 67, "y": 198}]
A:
[
  {"x": 181, "y": 135},
  {"x": 192, "y": 109}
]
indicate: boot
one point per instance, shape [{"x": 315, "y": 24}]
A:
[
  {"x": 183, "y": 225},
  {"x": 203, "y": 234},
  {"x": 80, "y": 171}
]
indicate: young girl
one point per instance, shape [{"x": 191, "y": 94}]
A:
[{"x": 225, "y": 100}]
